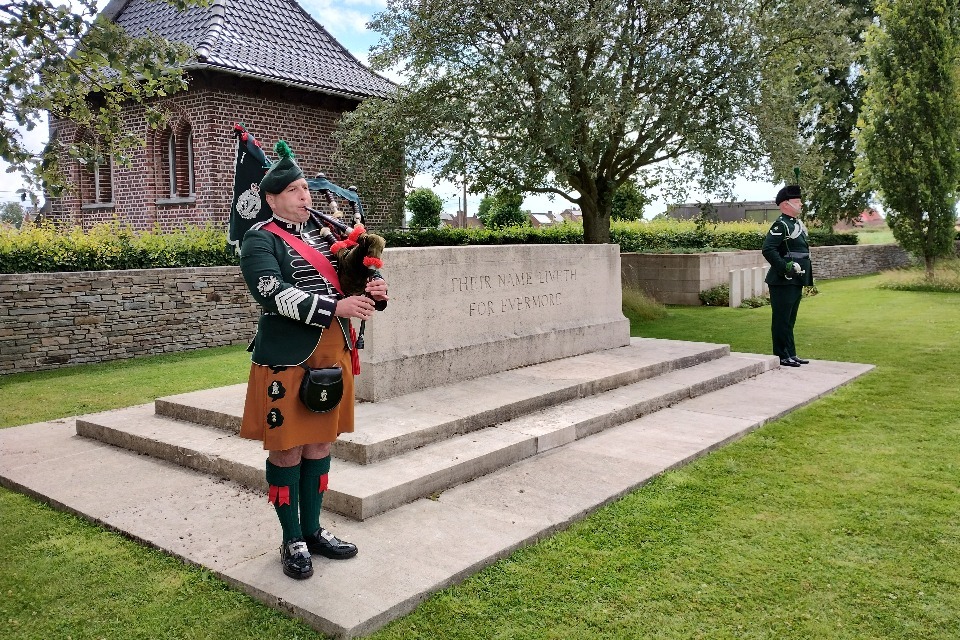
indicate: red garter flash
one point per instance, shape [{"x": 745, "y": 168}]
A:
[
  {"x": 279, "y": 495},
  {"x": 323, "y": 482}
]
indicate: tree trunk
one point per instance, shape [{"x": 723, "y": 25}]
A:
[
  {"x": 929, "y": 262},
  {"x": 596, "y": 215}
]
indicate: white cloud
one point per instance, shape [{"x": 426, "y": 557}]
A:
[{"x": 10, "y": 182}]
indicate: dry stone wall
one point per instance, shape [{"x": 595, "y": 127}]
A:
[
  {"x": 857, "y": 260},
  {"x": 679, "y": 278},
  {"x": 48, "y": 320}
]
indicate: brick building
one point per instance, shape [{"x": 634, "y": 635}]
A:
[{"x": 265, "y": 63}]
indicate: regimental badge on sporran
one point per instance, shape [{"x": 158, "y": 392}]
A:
[{"x": 248, "y": 204}]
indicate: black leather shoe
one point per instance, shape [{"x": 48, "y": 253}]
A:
[
  {"x": 789, "y": 362},
  {"x": 799, "y": 360},
  {"x": 295, "y": 558},
  {"x": 328, "y": 545}
]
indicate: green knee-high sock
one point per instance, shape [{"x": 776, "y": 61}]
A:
[
  {"x": 284, "y": 495},
  {"x": 313, "y": 482}
]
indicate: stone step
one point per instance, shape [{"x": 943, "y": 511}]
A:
[
  {"x": 362, "y": 491},
  {"x": 392, "y": 427}
]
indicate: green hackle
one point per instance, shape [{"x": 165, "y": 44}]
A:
[
  {"x": 796, "y": 173},
  {"x": 283, "y": 150}
]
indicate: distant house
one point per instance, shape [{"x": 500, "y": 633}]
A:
[
  {"x": 755, "y": 211},
  {"x": 459, "y": 221},
  {"x": 761, "y": 211},
  {"x": 869, "y": 217},
  {"x": 550, "y": 218},
  {"x": 264, "y": 63},
  {"x": 547, "y": 219}
]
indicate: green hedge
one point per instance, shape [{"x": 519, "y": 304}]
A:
[
  {"x": 112, "y": 246},
  {"x": 45, "y": 248},
  {"x": 565, "y": 233},
  {"x": 660, "y": 236}
]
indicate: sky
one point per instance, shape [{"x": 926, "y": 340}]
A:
[{"x": 347, "y": 21}]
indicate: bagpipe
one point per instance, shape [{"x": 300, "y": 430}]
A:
[{"x": 358, "y": 252}]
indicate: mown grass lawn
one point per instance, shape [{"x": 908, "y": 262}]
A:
[{"x": 841, "y": 520}]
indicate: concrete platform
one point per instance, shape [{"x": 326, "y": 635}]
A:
[{"x": 422, "y": 546}]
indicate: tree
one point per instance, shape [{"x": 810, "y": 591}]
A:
[
  {"x": 62, "y": 61},
  {"x": 483, "y": 209},
  {"x": 628, "y": 202},
  {"x": 910, "y": 138},
  {"x": 12, "y": 213},
  {"x": 505, "y": 211},
  {"x": 425, "y": 207},
  {"x": 571, "y": 99},
  {"x": 811, "y": 95}
]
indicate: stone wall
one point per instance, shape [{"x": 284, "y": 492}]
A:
[
  {"x": 48, "y": 320},
  {"x": 679, "y": 278},
  {"x": 857, "y": 260}
]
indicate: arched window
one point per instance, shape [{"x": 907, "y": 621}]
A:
[
  {"x": 188, "y": 157},
  {"x": 103, "y": 180},
  {"x": 172, "y": 165},
  {"x": 177, "y": 162},
  {"x": 96, "y": 172}
]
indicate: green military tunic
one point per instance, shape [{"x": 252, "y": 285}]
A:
[
  {"x": 297, "y": 326},
  {"x": 298, "y": 302},
  {"x": 785, "y": 243}
]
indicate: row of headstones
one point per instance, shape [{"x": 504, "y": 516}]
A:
[{"x": 747, "y": 283}]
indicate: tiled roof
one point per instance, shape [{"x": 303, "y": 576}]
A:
[{"x": 272, "y": 40}]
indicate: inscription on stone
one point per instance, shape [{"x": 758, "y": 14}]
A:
[{"x": 525, "y": 289}]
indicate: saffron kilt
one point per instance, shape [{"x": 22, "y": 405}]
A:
[{"x": 283, "y": 422}]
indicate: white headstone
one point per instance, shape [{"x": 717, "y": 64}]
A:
[
  {"x": 736, "y": 290},
  {"x": 758, "y": 283}
]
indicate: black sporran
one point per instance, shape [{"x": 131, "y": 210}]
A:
[{"x": 321, "y": 389}]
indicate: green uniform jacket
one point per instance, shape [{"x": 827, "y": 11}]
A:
[
  {"x": 298, "y": 303},
  {"x": 786, "y": 241}
]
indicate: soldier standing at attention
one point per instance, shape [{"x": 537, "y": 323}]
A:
[{"x": 787, "y": 251}]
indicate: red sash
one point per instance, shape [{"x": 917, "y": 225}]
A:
[
  {"x": 308, "y": 253},
  {"x": 324, "y": 268}
]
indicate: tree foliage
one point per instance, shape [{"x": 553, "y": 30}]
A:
[
  {"x": 60, "y": 60},
  {"x": 425, "y": 207},
  {"x": 503, "y": 209},
  {"x": 629, "y": 201},
  {"x": 910, "y": 135},
  {"x": 811, "y": 95},
  {"x": 571, "y": 99},
  {"x": 12, "y": 213},
  {"x": 483, "y": 209}
]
